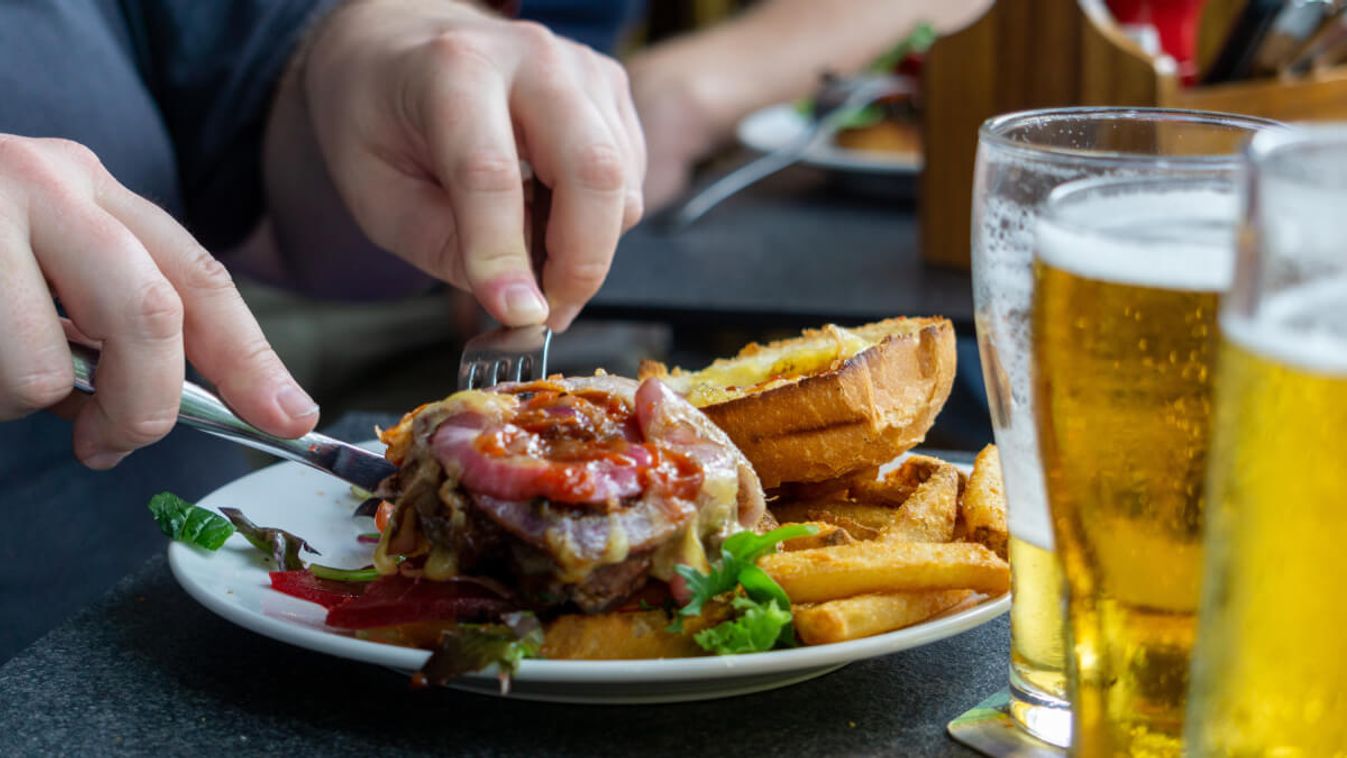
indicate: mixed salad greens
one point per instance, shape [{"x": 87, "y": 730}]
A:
[
  {"x": 762, "y": 608},
  {"x": 903, "y": 58},
  {"x": 359, "y": 599}
]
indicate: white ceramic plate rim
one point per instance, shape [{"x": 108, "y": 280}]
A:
[
  {"x": 776, "y": 125},
  {"x": 195, "y": 570}
]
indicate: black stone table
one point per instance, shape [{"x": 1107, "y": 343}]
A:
[
  {"x": 147, "y": 670},
  {"x": 794, "y": 250}
]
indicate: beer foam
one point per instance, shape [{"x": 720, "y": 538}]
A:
[
  {"x": 1179, "y": 239},
  {"x": 1305, "y": 326}
]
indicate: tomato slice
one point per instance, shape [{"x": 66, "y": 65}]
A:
[
  {"x": 306, "y": 586},
  {"x": 383, "y": 514}
]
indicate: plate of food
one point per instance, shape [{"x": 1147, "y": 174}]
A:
[
  {"x": 890, "y": 146},
  {"x": 681, "y": 536},
  {"x": 881, "y": 139}
]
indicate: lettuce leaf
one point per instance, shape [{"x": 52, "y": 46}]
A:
[
  {"x": 759, "y": 627},
  {"x": 464, "y": 648},
  {"x": 367, "y": 574},
  {"x": 185, "y": 522},
  {"x": 763, "y": 605},
  {"x": 282, "y": 546},
  {"x": 917, "y": 42}
]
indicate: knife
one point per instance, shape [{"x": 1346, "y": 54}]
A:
[{"x": 203, "y": 410}]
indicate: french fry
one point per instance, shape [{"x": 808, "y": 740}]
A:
[
  {"x": 914, "y": 470},
  {"x": 828, "y": 573},
  {"x": 828, "y": 535},
  {"x": 845, "y": 514},
  {"x": 866, "y": 615},
  {"x": 984, "y": 503},
  {"x": 929, "y": 514}
]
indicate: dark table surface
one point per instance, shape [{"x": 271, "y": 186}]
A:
[
  {"x": 797, "y": 249},
  {"x": 146, "y": 669}
]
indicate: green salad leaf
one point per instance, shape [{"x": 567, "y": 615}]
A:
[
  {"x": 758, "y": 627},
  {"x": 763, "y": 606},
  {"x": 917, "y": 42},
  {"x": 367, "y": 574},
  {"x": 282, "y": 546},
  {"x": 464, "y": 648},
  {"x": 185, "y": 522}
]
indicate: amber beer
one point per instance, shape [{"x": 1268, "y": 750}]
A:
[
  {"x": 1037, "y": 652},
  {"x": 1127, "y": 284},
  {"x": 1270, "y": 677}
]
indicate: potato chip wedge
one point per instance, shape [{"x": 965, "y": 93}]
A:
[
  {"x": 928, "y": 515},
  {"x": 873, "y": 519},
  {"x": 626, "y": 635},
  {"x": 984, "y": 503},
  {"x": 828, "y": 535}
]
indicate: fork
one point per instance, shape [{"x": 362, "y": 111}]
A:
[
  {"x": 513, "y": 354},
  {"x": 835, "y": 103}
]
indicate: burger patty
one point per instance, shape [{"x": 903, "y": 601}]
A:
[{"x": 573, "y": 491}]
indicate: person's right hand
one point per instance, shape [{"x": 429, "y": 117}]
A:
[{"x": 132, "y": 282}]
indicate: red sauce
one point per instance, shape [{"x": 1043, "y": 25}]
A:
[
  {"x": 572, "y": 430},
  {"x": 675, "y": 473}
]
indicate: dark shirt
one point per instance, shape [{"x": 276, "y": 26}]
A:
[{"x": 172, "y": 95}]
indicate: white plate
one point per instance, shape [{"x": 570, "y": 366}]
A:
[
  {"x": 775, "y": 126},
  {"x": 233, "y": 583}
]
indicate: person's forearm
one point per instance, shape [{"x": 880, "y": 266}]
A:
[{"x": 776, "y": 51}]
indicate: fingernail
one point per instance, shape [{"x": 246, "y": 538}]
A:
[
  {"x": 523, "y": 305},
  {"x": 102, "y": 461},
  {"x": 296, "y": 402}
]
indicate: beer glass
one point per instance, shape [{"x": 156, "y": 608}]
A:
[
  {"x": 1270, "y": 671},
  {"x": 1021, "y": 158},
  {"x": 1129, "y": 272}
]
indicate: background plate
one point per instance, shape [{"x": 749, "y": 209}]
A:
[{"x": 776, "y": 125}]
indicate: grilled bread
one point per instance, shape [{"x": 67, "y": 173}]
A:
[{"x": 829, "y": 402}]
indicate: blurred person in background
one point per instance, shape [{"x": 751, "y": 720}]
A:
[{"x": 692, "y": 90}]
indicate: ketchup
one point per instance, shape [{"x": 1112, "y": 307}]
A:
[{"x": 573, "y": 431}]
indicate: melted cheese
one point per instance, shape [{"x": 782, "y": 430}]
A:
[{"x": 770, "y": 368}]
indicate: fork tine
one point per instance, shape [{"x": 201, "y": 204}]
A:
[
  {"x": 500, "y": 370},
  {"x": 467, "y": 375},
  {"x": 504, "y": 355}
]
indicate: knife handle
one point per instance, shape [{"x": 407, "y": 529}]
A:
[{"x": 201, "y": 409}]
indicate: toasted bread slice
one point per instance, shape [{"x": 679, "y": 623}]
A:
[{"x": 829, "y": 402}]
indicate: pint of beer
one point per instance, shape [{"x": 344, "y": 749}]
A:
[
  {"x": 1021, "y": 158},
  {"x": 1129, "y": 273},
  {"x": 1270, "y": 672}
]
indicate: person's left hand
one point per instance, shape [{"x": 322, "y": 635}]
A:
[{"x": 423, "y": 112}]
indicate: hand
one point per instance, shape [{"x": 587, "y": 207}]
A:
[
  {"x": 424, "y": 110},
  {"x": 134, "y": 283}
]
